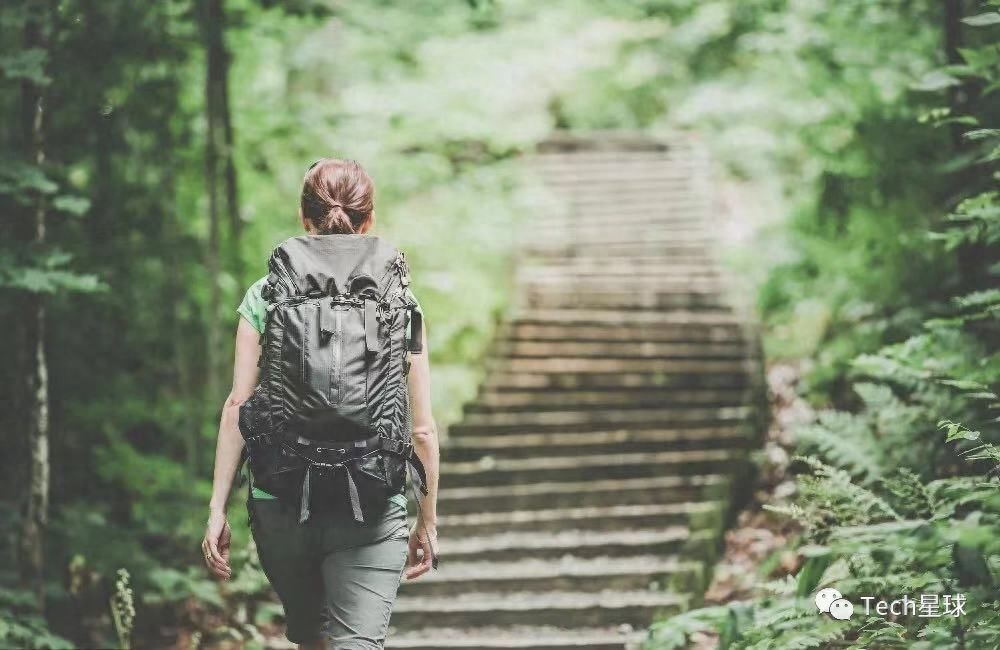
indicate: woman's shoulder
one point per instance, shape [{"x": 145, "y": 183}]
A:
[{"x": 254, "y": 307}]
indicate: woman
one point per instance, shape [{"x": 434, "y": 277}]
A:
[{"x": 336, "y": 578}]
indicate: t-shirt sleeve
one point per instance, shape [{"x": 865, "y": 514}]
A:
[{"x": 254, "y": 307}]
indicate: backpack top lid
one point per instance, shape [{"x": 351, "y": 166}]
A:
[{"x": 331, "y": 264}]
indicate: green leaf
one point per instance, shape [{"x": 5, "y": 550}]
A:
[
  {"x": 74, "y": 205},
  {"x": 24, "y": 182},
  {"x": 27, "y": 65},
  {"x": 936, "y": 80},
  {"x": 981, "y": 134},
  {"x": 957, "y": 431},
  {"x": 809, "y": 576},
  {"x": 983, "y": 20},
  {"x": 40, "y": 280}
]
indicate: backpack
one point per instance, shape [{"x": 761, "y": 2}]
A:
[{"x": 330, "y": 416}]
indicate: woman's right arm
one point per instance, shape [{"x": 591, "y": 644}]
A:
[
  {"x": 425, "y": 443},
  {"x": 229, "y": 447}
]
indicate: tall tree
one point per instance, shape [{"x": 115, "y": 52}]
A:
[
  {"x": 220, "y": 174},
  {"x": 32, "y": 542}
]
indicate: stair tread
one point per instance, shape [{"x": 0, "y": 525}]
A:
[
  {"x": 513, "y": 637},
  {"x": 569, "y": 538},
  {"x": 532, "y": 600},
  {"x": 579, "y": 487},
  {"x": 621, "y": 436},
  {"x": 580, "y": 512},
  {"x": 485, "y": 571},
  {"x": 489, "y": 464}
]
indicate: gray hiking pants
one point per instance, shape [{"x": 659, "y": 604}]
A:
[{"x": 337, "y": 579}]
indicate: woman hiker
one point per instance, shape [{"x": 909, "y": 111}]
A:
[{"x": 337, "y": 578}]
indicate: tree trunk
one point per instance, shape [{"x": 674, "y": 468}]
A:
[
  {"x": 952, "y": 41},
  {"x": 32, "y": 541},
  {"x": 212, "y": 13},
  {"x": 229, "y": 144}
]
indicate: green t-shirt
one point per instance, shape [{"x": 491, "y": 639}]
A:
[{"x": 254, "y": 310}]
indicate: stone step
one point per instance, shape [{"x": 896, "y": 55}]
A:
[
  {"x": 499, "y": 381},
  {"x": 566, "y": 609},
  {"x": 590, "y": 420},
  {"x": 619, "y": 516},
  {"x": 576, "y": 494},
  {"x": 635, "y": 349},
  {"x": 580, "y": 543},
  {"x": 516, "y": 638},
  {"x": 658, "y": 223},
  {"x": 533, "y": 278},
  {"x": 631, "y": 318},
  {"x": 674, "y": 229},
  {"x": 547, "y": 250},
  {"x": 682, "y": 240},
  {"x": 636, "y": 261},
  {"x": 567, "y": 573},
  {"x": 565, "y": 181},
  {"x": 614, "y": 167},
  {"x": 514, "y": 471},
  {"x": 613, "y": 265},
  {"x": 576, "y": 331},
  {"x": 594, "y": 252},
  {"x": 687, "y": 211},
  {"x": 580, "y": 366},
  {"x": 618, "y": 273},
  {"x": 492, "y": 401},
  {"x": 528, "y": 445},
  {"x": 556, "y": 298}
]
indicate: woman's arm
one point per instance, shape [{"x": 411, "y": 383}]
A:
[
  {"x": 228, "y": 449},
  {"x": 425, "y": 443}
]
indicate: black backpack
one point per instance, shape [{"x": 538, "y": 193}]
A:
[{"x": 328, "y": 426}]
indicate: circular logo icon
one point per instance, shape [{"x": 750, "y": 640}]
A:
[
  {"x": 825, "y": 598},
  {"x": 841, "y": 609}
]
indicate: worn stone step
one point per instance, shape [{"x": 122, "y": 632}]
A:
[
  {"x": 577, "y": 331},
  {"x": 553, "y": 382},
  {"x": 591, "y": 420},
  {"x": 528, "y": 445},
  {"x": 537, "y": 278},
  {"x": 516, "y": 637},
  {"x": 594, "y": 252},
  {"x": 619, "y": 516},
  {"x": 622, "y": 299},
  {"x": 636, "y": 349},
  {"x": 576, "y": 365},
  {"x": 507, "y": 471},
  {"x": 491, "y": 401},
  {"x": 669, "y": 233},
  {"x": 614, "y": 266},
  {"x": 598, "y": 251},
  {"x": 575, "y": 494},
  {"x": 564, "y": 181},
  {"x": 569, "y": 573},
  {"x": 635, "y": 260},
  {"x": 581, "y": 543},
  {"x": 633, "y": 318},
  {"x": 668, "y": 229},
  {"x": 570, "y": 609}
]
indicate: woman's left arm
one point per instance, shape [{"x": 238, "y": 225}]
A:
[{"x": 229, "y": 447}]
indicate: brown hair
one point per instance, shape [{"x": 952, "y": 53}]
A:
[{"x": 338, "y": 197}]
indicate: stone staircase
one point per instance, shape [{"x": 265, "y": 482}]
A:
[{"x": 586, "y": 489}]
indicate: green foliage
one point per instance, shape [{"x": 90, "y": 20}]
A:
[
  {"x": 22, "y": 626},
  {"x": 899, "y": 494}
]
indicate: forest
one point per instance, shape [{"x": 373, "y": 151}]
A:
[{"x": 153, "y": 154}]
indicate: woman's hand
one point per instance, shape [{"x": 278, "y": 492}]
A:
[
  {"x": 215, "y": 546},
  {"x": 423, "y": 538}
]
